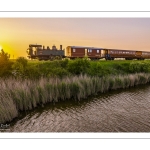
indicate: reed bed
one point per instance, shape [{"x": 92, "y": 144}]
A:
[{"x": 19, "y": 95}]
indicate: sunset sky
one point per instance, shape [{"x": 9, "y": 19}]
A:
[{"x": 123, "y": 33}]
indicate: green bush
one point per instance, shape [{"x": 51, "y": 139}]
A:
[
  {"x": 78, "y": 66},
  {"x": 22, "y": 61},
  {"x": 95, "y": 69},
  {"x": 32, "y": 72},
  {"x": 136, "y": 67},
  {"x": 64, "y": 63},
  {"x": 24, "y": 68},
  {"x": 19, "y": 67}
]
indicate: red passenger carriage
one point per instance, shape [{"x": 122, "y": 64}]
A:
[{"x": 80, "y": 52}]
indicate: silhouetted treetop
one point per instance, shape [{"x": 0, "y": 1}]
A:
[{"x": 4, "y": 56}]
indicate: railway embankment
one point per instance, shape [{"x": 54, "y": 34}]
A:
[{"x": 29, "y": 84}]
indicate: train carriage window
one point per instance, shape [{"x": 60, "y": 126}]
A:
[
  {"x": 89, "y": 50},
  {"x": 74, "y": 50},
  {"x": 97, "y": 51}
]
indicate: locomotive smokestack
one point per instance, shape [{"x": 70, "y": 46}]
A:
[{"x": 60, "y": 47}]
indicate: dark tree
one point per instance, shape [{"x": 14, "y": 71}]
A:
[
  {"x": 5, "y": 64},
  {"x": 4, "y": 56}
]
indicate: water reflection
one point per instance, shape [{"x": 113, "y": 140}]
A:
[{"x": 115, "y": 111}]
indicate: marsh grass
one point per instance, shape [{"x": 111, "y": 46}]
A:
[
  {"x": 8, "y": 109},
  {"x": 20, "y": 95}
]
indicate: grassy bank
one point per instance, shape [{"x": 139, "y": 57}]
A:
[
  {"x": 32, "y": 69},
  {"x": 62, "y": 68},
  {"x": 26, "y": 84},
  {"x": 24, "y": 94}
]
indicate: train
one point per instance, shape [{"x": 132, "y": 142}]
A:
[{"x": 40, "y": 52}]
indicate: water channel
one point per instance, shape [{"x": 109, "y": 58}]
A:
[{"x": 125, "y": 110}]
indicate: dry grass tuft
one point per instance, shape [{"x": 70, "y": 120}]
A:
[{"x": 19, "y": 95}]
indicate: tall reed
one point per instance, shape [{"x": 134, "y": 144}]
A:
[{"x": 19, "y": 95}]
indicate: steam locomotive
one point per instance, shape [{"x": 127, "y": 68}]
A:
[{"x": 94, "y": 53}]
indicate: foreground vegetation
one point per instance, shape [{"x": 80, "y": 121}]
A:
[
  {"x": 33, "y": 69},
  {"x": 26, "y": 84},
  {"x": 19, "y": 95}
]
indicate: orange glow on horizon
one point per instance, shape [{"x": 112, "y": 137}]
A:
[
  {"x": 17, "y": 33},
  {"x": 10, "y": 50}
]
